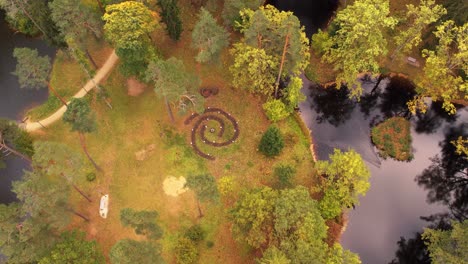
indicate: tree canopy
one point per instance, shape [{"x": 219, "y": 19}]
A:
[
  {"x": 127, "y": 251},
  {"x": 358, "y": 42},
  {"x": 208, "y": 37},
  {"x": 144, "y": 222},
  {"x": 346, "y": 178},
  {"x": 448, "y": 247},
  {"x": 32, "y": 70},
  {"x": 73, "y": 248}
]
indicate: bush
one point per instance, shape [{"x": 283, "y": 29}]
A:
[
  {"x": 195, "y": 233},
  {"x": 186, "y": 251},
  {"x": 284, "y": 175},
  {"x": 209, "y": 244},
  {"x": 275, "y": 110},
  {"x": 272, "y": 142},
  {"x": 91, "y": 176},
  {"x": 144, "y": 222}
]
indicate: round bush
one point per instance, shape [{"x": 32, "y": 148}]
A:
[
  {"x": 91, "y": 176},
  {"x": 272, "y": 142}
]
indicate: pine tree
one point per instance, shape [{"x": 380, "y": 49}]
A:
[{"x": 170, "y": 15}]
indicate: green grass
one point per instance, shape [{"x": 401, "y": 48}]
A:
[{"x": 393, "y": 138}]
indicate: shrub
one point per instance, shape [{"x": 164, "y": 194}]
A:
[
  {"x": 284, "y": 175},
  {"x": 272, "y": 142},
  {"x": 209, "y": 244},
  {"x": 226, "y": 185},
  {"x": 91, "y": 176},
  {"x": 186, "y": 251},
  {"x": 195, "y": 233},
  {"x": 144, "y": 222},
  {"x": 275, "y": 110}
]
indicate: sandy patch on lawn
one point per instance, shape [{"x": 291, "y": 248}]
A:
[
  {"x": 174, "y": 186},
  {"x": 135, "y": 87}
]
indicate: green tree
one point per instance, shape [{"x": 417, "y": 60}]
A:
[
  {"x": 287, "y": 219},
  {"x": 417, "y": 19},
  {"x": 359, "y": 41},
  {"x": 337, "y": 255},
  {"x": 127, "y": 251},
  {"x": 445, "y": 71},
  {"x": 205, "y": 189},
  {"x": 275, "y": 109},
  {"x": 186, "y": 251},
  {"x": 76, "y": 20},
  {"x": 274, "y": 256},
  {"x": 231, "y": 9},
  {"x": 82, "y": 120},
  {"x": 144, "y": 222},
  {"x": 73, "y": 248},
  {"x": 253, "y": 69},
  {"x": 23, "y": 239},
  {"x": 60, "y": 161},
  {"x": 45, "y": 198},
  {"x": 128, "y": 26},
  {"x": 170, "y": 16},
  {"x": 281, "y": 35},
  {"x": 14, "y": 140},
  {"x": 33, "y": 70},
  {"x": 208, "y": 37},
  {"x": 450, "y": 246},
  {"x": 175, "y": 85},
  {"x": 31, "y": 17},
  {"x": 347, "y": 177},
  {"x": 272, "y": 142}
]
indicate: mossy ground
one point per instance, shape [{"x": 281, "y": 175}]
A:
[{"x": 393, "y": 138}]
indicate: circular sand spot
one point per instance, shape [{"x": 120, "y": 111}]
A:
[{"x": 174, "y": 186}]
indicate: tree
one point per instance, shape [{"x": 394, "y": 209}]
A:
[
  {"x": 74, "y": 249},
  {"x": 346, "y": 178},
  {"x": 417, "y": 19},
  {"x": 253, "y": 69},
  {"x": 186, "y": 251},
  {"x": 205, "y": 189},
  {"x": 231, "y": 9},
  {"x": 285, "y": 175},
  {"x": 128, "y": 251},
  {"x": 445, "y": 68},
  {"x": 272, "y": 142},
  {"x": 45, "y": 198},
  {"x": 60, "y": 161},
  {"x": 33, "y": 70},
  {"x": 82, "y": 120},
  {"x": 14, "y": 140},
  {"x": 144, "y": 222},
  {"x": 274, "y": 256},
  {"x": 358, "y": 42},
  {"x": 76, "y": 21},
  {"x": 208, "y": 37},
  {"x": 31, "y": 17},
  {"x": 170, "y": 16},
  {"x": 23, "y": 239},
  {"x": 286, "y": 219},
  {"x": 175, "y": 85},
  {"x": 128, "y": 26},
  {"x": 337, "y": 255},
  {"x": 448, "y": 247},
  {"x": 281, "y": 35}
]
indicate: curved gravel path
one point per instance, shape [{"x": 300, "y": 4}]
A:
[{"x": 101, "y": 73}]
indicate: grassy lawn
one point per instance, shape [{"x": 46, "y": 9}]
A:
[
  {"x": 393, "y": 138},
  {"x": 137, "y": 122}
]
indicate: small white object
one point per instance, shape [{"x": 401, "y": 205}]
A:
[
  {"x": 411, "y": 59},
  {"x": 104, "y": 206}
]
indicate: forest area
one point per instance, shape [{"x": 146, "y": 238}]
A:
[{"x": 189, "y": 116}]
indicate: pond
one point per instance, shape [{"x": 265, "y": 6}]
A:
[
  {"x": 13, "y": 100},
  {"x": 395, "y": 202}
]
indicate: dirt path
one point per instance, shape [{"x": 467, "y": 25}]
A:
[{"x": 101, "y": 73}]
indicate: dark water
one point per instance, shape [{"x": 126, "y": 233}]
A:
[
  {"x": 13, "y": 100},
  {"x": 395, "y": 202},
  {"x": 313, "y": 14}
]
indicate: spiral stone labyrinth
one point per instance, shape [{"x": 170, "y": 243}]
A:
[{"x": 201, "y": 129}]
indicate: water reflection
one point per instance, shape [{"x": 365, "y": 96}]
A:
[
  {"x": 332, "y": 105},
  {"x": 434, "y": 117},
  {"x": 393, "y": 99},
  {"x": 446, "y": 179}
]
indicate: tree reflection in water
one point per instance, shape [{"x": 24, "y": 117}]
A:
[
  {"x": 446, "y": 179},
  {"x": 332, "y": 105},
  {"x": 430, "y": 121},
  {"x": 393, "y": 100}
]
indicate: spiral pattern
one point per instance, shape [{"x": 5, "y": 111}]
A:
[{"x": 200, "y": 127}]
